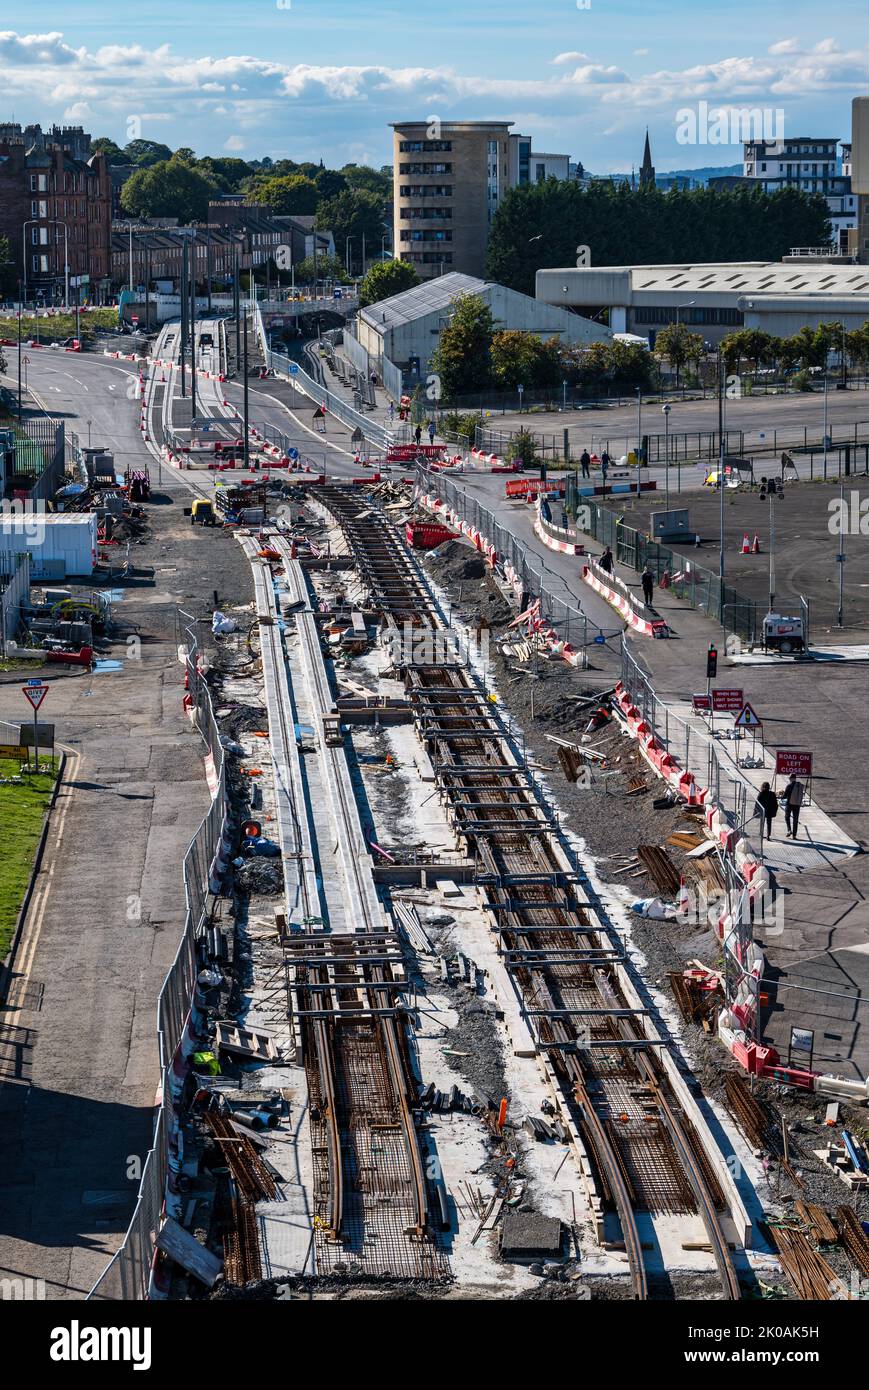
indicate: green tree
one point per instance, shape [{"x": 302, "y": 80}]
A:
[
  {"x": 168, "y": 189},
  {"x": 326, "y": 268},
  {"x": 329, "y": 183},
  {"x": 523, "y": 445},
  {"x": 290, "y": 195},
  {"x": 113, "y": 153},
  {"x": 524, "y": 359},
  {"x": 354, "y": 213},
  {"x": 463, "y": 357},
  {"x": 226, "y": 174},
  {"x": 146, "y": 153},
  {"x": 678, "y": 346},
  {"x": 541, "y": 225},
  {"x": 385, "y": 279}
]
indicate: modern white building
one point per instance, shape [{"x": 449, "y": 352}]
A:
[
  {"x": 810, "y": 164},
  {"x": 526, "y": 165},
  {"x": 713, "y": 300},
  {"x": 406, "y": 328}
]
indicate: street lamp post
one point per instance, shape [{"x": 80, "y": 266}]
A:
[
  {"x": 840, "y": 558},
  {"x": 639, "y": 434},
  {"x": 666, "y": 413},
  {"x": 347, "y": 241},
  {"x": 721, "y": 470},
  {"x": 825, "y": 422}
]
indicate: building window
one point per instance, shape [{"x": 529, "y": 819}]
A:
[
  {"x": 421, "y": 190},
  {"x": 425, "y": 146}
]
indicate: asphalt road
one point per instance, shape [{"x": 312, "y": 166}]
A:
[{"x": 78, "y": 1051}]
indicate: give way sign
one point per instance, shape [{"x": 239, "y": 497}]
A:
[{"x": 35, "y": 693}]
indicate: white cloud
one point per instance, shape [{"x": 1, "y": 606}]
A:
[
  {"x": 233, "y": 144},
  {"x": 304, "y": 109}
]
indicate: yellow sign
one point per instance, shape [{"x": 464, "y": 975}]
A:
[{"x": 13, "y": 750}]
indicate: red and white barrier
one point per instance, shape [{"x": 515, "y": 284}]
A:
[
  {"x": 564, "y": 547},
  {"x": 655, "y": 627}
]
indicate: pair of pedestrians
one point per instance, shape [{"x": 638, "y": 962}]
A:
[{"x": 791, "y": 800}]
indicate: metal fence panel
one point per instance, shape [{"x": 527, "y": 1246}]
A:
[{"x": 127, "y": 1276}]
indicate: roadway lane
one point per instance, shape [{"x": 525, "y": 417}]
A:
[{"x": 78, "y": 1055}]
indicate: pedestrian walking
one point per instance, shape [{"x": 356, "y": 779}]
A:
[
  {"x": 585, "y": 463},
  {"x": 417, "y": 434},
  {"x": 431, "y": 431},
  {"x": 392, "y": 412},
  {"x": 606, "y": 561},
  {"x": 604, "y": 466},
  {"x": 792, "y": 800},
  {"x": 647, "y": 578},
  {"x": 373, "y": 378},
  {"x": 766, "y": 806}
]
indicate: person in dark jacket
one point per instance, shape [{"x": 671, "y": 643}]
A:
[
  {"x": 417, "y": 434},
  {"x": 647, "y": 578},
  {"x": 606, "y": 561},
  {"x": 585, "y": 463},
  {"x": 766, "y": 807}
]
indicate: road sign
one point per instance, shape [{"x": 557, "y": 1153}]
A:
[
  {"x": 600, "y": 639},
  {"x": 788, "y": 761},
  {"x": 35, "y": 692},
  {"x": 294, "y": 369},
  {"x": 730, "y": 701},
  {"x": 701, "y": 704},
  {"x": 747, "y": 719}
]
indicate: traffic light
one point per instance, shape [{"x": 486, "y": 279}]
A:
[{"x": 711, "y": 663}]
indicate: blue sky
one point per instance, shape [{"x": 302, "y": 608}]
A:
[{"x": 323, "y": 77}]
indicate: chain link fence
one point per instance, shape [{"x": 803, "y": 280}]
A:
[
  {"x": 128, "y": 1275},
  {"x": 558, "y": 605}
]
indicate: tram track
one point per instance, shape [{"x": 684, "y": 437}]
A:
[
  {"x": 554, "y": 936},
  {"x": 344, "y": 986}
]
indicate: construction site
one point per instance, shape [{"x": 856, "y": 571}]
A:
[{"x": 431, "y": 1044}]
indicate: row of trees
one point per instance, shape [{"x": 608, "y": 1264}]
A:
[
  {"x": 472, "y": 357},
  {"x": 541, "y": 225},
  {"x": 353, "y": 202},
  {"x": 810, "y": 347}
]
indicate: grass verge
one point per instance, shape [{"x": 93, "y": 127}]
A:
[{"x": 22, "y": 807}]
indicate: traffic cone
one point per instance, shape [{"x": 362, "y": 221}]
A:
[
  {"x": 684, "y": 898},
  {"x": 746, "y": 544},
  {"x": 755, "y": 545}
]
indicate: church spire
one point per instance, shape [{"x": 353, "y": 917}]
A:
[{"x": 647, "y": 168}]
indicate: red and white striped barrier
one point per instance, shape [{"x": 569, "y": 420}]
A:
[
  {"x": 666, "y": 766},
  {"x": 648, "y": 627},
  {"x": 564, "y": 547}
]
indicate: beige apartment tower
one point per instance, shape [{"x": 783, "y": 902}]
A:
[{"x": 449, "y": 178}]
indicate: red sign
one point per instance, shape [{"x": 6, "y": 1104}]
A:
[
  {"x": 35, "y": 694},
  {"x": 728, "y": 701},
  {"x": 701, "y": 704},
  {"x": 787, "y": 761}
]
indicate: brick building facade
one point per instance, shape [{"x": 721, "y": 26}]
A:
[{"x": 54, "y": 191}]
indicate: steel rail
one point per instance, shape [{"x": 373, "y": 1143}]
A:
[
  {"x": 284, "y": 752},
  {"x": 357, "y": 880},
  {"x": 384, "y": 564}
]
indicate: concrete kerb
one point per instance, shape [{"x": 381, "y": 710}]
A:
[{"x": 7, "y": 965}]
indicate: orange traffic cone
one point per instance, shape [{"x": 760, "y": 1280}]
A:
[
  {"x": 746, "y": 544},
  {"x": 755, "y": 545}
]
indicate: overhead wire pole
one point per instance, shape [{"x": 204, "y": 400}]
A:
[
  {"x": 721, "y": 473},
  {"x": 236, "y": 290},
  {"x": 193, "y": 329},
  {"x": 246, "y": 402},
  {"x": 20, "y": 405},
  {"x": 182, "y": 337}
]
